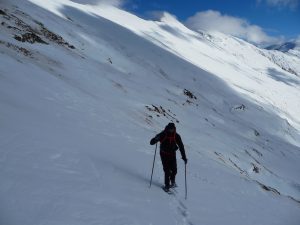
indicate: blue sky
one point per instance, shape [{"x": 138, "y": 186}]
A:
[{"x": 255, "y": 20}]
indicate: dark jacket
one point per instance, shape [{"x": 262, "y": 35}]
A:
[{"x": 169, "y": 143}]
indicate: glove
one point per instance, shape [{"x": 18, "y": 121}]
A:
[
  {"x": 185, "y": 160},
  {"x": 153, "y": 141}
]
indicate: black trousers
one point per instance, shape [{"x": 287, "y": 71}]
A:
[{"x": 169, "y": 163}]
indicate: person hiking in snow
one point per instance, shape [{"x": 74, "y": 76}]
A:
[{"x": 169, "y": 143}]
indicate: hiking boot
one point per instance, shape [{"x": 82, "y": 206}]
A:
[
  {"x": 166, "y": 188},
  {"x": 173, "y": 185}
]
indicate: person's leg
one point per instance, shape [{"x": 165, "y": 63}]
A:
[
  {"x": 173, "y": 168},
  {"x": 166, "y": 166}
]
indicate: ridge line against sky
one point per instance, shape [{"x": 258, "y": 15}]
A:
[{"x": 262, "y": 22}]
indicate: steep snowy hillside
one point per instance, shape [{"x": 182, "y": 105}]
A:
[{"x": 84, "y": 88}]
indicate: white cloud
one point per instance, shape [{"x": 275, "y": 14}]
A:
[
  {"x": 292, "y": 4},
  {"x": 161, "y": 16},
  {"x": 117, "y": 3},
  {"x": 214, "y": 21}
]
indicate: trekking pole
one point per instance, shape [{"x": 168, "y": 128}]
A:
[
  {"x": 185, "y": 183},
  {"x": 153, "y": 166}
]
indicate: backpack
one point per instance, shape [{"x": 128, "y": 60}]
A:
[{"x": 170, "y": 141}]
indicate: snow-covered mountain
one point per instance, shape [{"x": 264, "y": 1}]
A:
[{"x": 84, "y": 88}]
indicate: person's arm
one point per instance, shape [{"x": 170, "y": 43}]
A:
[
  {"x": 181, "y": 147},
  {"x": 155, "y": 139}
]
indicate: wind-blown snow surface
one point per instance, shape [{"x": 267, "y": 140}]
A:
[{"x": 77, "y": 115}]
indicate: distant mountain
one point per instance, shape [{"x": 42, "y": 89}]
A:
[{"x": 284, "y": 47}]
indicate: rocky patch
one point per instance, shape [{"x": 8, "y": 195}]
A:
[
  {"x": 268, "y": 188},
  {"x": 30, "y": 38},
  {"x": 190, "y": 96},
  {"x": 55, "y": 38},
  {"x": 159, "y": 111},
  {"x": 256, "y": 133},
  {"x": 24, "y": 32},
  {"x": 16, "y": 48},
  {"x": 255, "y": 168},
  {"x": 241, "y": 108},
  {"x": 2, "y": 12}
]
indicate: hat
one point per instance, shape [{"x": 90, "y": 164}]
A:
[{"x": 170, "y": 126}]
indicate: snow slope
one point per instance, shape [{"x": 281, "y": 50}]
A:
[{"x": 80, "y": 104}]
